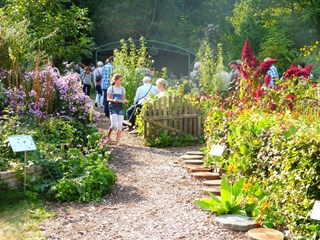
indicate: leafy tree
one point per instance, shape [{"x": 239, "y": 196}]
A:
[
  {"x": 56, "y": 27},
  {"x": 263, "y": 20},
  {"x": 277, "y": 45},
  {"x": 15, "y": 47}
]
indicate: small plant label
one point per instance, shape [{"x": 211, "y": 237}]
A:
[
  {"x": 216, "y": 150},
  {"x": 315, "y": 212},
  {"x": 22, "y": 143}
]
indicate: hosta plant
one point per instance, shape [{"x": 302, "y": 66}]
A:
[{"x": 231, "y": 199}]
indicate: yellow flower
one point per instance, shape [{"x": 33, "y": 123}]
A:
[
  {"x": 256, "y": 141},
  {"x": 317, "y": 42},
  {"x": 246, "y": 186}
]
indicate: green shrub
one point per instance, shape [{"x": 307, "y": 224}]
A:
[
  {"x": 71, "y": 154},
  {"x": 85, "y": 178},
  {"x": 231, "y": 199},
  {"x": 282, "y": 154},
  {"x": 164, "y": 139}
]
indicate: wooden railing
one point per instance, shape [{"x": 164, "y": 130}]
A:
[{"x": 174, "y": 115}]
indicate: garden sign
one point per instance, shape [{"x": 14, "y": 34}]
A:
[{"x": 22, "y": 143}]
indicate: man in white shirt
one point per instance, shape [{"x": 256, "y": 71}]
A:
[{"x": 142, "y": 94}]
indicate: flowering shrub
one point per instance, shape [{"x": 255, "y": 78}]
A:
[
  {"x": 311, "y": 55},
  {"x": 272, "y": 138},
  {"x": 46, "y": 94}
]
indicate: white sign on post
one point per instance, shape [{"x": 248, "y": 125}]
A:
[
  {"x": 315, "y": 213},
  {"x": 216, "y": 150},
  {"x": 22, "y": 143}
]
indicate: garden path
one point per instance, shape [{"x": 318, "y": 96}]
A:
[{"x": 153, "y": 199}]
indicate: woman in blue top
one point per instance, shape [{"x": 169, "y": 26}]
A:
[{"x": 116, "y": 97}]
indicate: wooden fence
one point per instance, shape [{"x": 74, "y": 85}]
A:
[{"x": 173, "y": 115}]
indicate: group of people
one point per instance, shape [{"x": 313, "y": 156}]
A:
[
  {"x": 232, "y": 78},
  {"x": 111, "y": 95}
]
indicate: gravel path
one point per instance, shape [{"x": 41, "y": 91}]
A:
[{"x": 153, "y": 199}]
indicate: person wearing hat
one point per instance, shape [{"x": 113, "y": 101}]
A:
[{"x": 234, "y": 74}]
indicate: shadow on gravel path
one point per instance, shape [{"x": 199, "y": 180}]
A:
[{"x": 152, "y": 199}]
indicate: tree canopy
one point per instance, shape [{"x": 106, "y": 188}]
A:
[
  {"x": 56, "y": 28},
  {"x": 68, "y": 29}
]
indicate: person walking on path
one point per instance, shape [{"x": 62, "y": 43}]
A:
[
  {"x": 97, "y": 73},
  {"x": 87, "y": 80},
  {"x": 106, "y": 72},
  {"x": 116, "y": 96}
]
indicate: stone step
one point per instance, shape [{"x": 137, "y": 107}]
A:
[
  {"x": 215, "y": 190},
  {"x": 265, "y": 233},
  {"x": 199, "y": 153},
  {"x": 194, "y": 162},
  {"x": 236, "y": 222},
  {"x": 191, "y": 157},
  {"x": 205, "y": 175},
  {"x": 197, "y": 168},
  {"x": 212, "y": 182}
]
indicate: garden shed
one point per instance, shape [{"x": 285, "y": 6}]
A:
[{"x": 177, "y": 60}]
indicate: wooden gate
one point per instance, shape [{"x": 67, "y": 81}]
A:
[{"x": 174, "y": 115}]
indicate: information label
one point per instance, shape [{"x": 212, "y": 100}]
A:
[
  {"x": 216, "y": 150},
  {"x": 22, "y": 143},
  {"x": 315, "y": 213}
]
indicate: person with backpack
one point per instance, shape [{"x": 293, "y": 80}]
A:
[
  {"x": 142, "y": 94},
  {"x": 87, "y": 80},
  {"x": 97, "y": 73}
]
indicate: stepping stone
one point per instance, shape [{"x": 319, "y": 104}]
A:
[
  {"x": 212, "y": 182},
  {"x": 197, "y": 168},
  {"x": 265, "y": 233},
  {"x": 191, "y": 157},
  {"x": 205, "y": 175},
  {"x": 194, "y": 162},
  {"x": 215, "y": 190},
  {"x": 235, "y": 222},
  {"x": 199, "y": 153}
]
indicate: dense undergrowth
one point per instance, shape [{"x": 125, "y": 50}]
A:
[
  {"x": 272, "y": 138},
  {"x": 59, "y": 117}
]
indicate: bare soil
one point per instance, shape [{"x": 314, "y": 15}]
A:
[{"x": 153, "y": 199}]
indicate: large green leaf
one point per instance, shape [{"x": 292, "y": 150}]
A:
[
  {"x": 225, "y": 190},
  {"x": 207, "y": 204},
  {"x": 290, "y": 132},
  {"x": 214, "y": 198},
  {"x": 244, "y": 149},
  {"x": 237, "y": 187}
]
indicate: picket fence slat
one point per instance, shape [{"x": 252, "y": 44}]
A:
[{"x": 174, "y": 115}]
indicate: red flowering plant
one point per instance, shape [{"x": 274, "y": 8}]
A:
[
  {"x": 253, "y": 80},
  {"x": 294, "y": 71}
]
